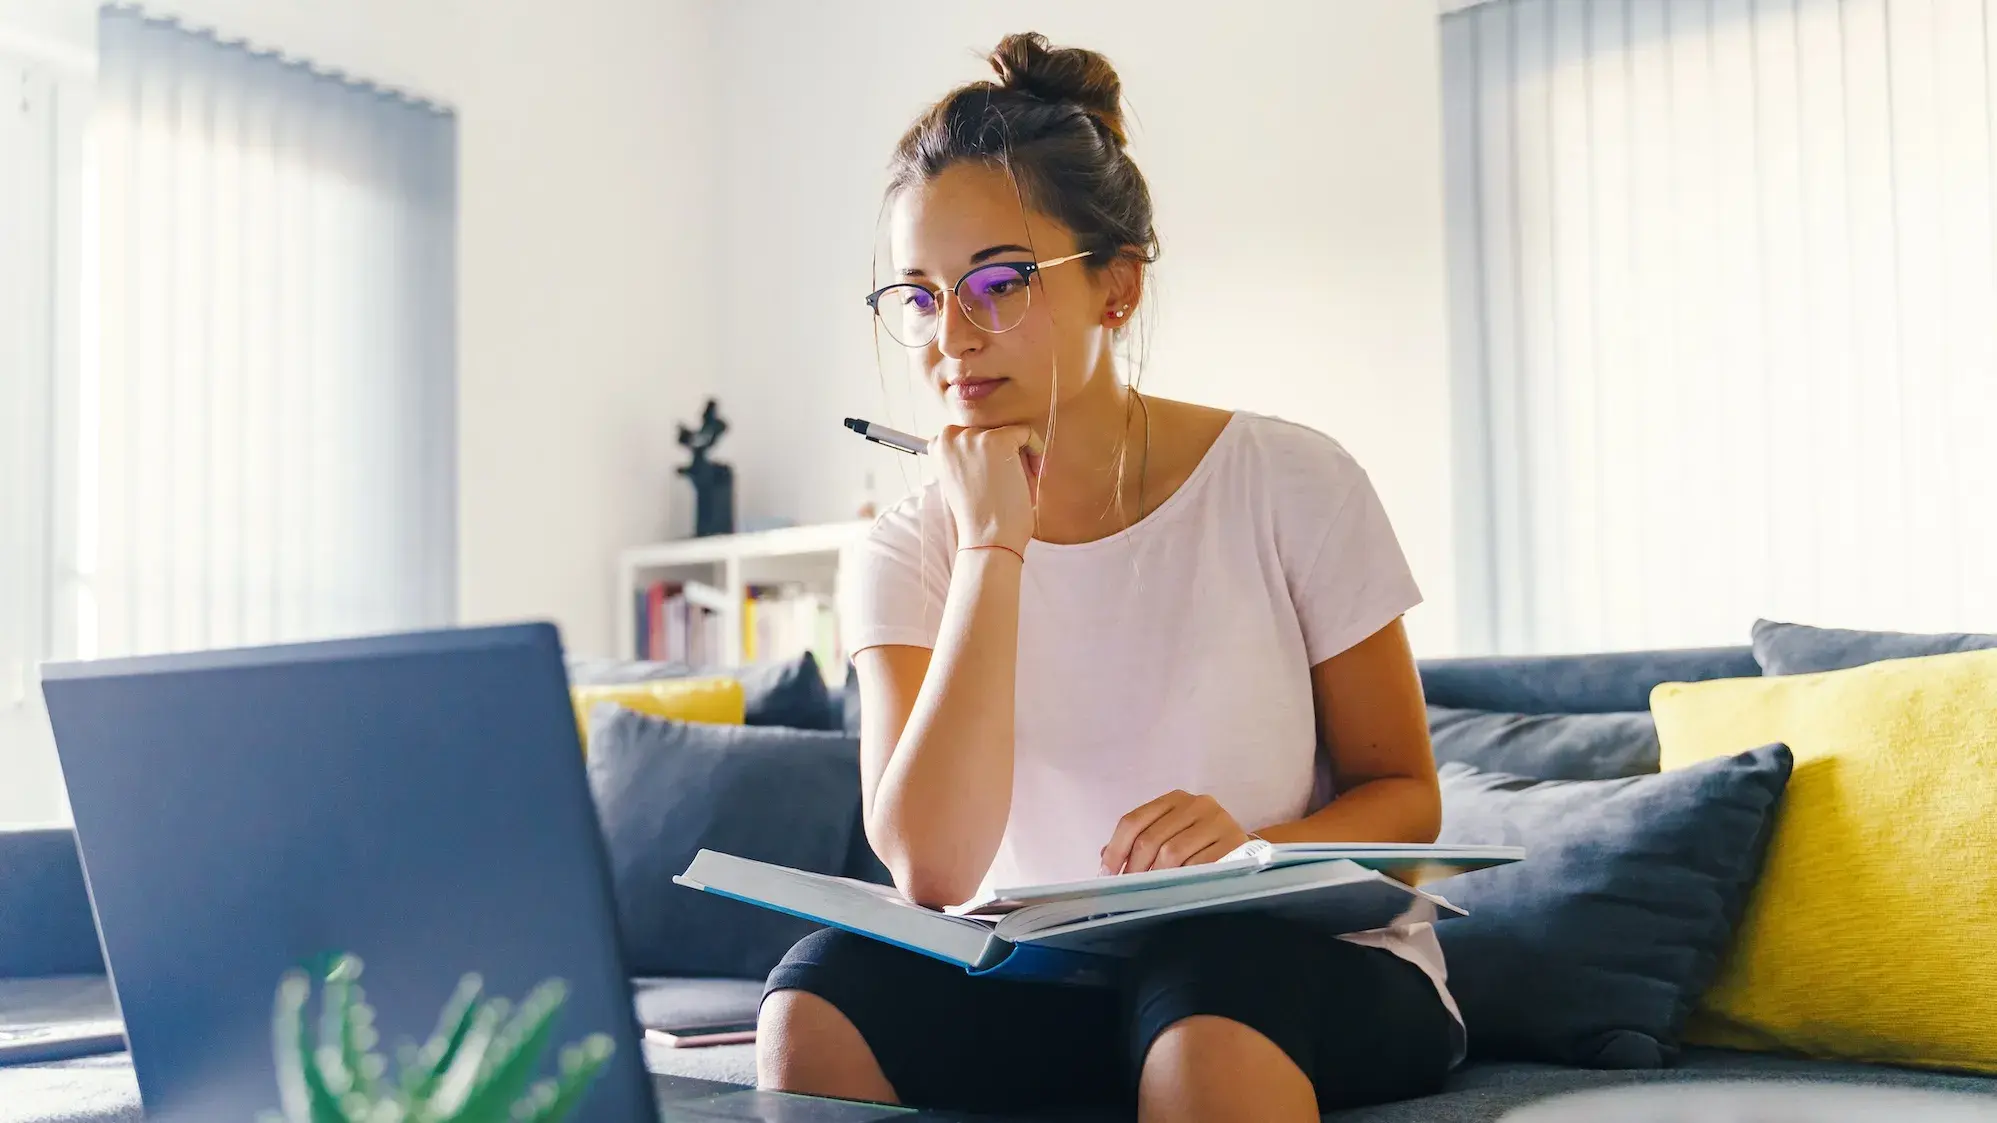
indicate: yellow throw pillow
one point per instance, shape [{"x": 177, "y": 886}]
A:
[
  {"x": 1872, "y": 935},
  {"x": 718, "y": 700}
]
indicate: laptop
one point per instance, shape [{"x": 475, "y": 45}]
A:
[{"x": 417, "y": 800}]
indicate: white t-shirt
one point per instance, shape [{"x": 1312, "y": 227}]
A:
[{"x": 1174, "y": 655}]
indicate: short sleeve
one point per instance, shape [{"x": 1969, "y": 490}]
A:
[
  {"x": 1357, "y": 581},
  {"x": 892, "y": 582}
]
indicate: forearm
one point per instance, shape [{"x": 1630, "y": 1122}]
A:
[
  {"x": 1389, "y": 809},
  {"x": 941, "y": 806}
]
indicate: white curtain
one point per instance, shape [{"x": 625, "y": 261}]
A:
[
  {"x": 29, "y": 155},
  {"x": 269, "y": 437},
  {"x": 1724, "y": 287}
]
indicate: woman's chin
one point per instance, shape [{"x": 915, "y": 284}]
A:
[{"x": 982, "y": 414}]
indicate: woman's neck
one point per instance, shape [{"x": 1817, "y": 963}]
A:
[{"x": 1091, "y": 436}]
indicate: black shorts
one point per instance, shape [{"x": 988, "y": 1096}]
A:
[{"x": 1365, "y": 1025}]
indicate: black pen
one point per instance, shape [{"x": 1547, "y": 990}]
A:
[{"x": 892, "y": 438}]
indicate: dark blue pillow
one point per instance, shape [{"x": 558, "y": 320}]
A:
[
  {"x": 1594, "y": 949},
  {"x": 1611, "y": 682},
  {"x": 1546, "y": 746},
  {"x": 849, "y": 700},
  {"x": 786, "y": 692},
  {"x": 46, "y": 924},
  {"x": 1798, "y": 649},
  {"x": 666, "y": 789}
]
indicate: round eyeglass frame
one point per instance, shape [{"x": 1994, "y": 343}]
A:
[{"x": 948, "y": 294}]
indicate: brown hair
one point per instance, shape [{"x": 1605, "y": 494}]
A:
[{"x": 1054, "y": 118}]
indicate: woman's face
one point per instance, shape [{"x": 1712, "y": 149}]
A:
[{"x": 971, "y": 216}]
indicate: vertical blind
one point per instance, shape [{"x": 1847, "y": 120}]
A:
[
  {"x": 1724, "y": 310},
  {"x": 269, "y": 440}
]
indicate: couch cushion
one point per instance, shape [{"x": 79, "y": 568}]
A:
[
  {"x": 1593, "y": 949},
  {"x": 1546, "y": 746},
  {"x": 786, "y": 692},
  {"x": 1798, "y": 649},
  {"x": 46, "y": 925},
  {"x": 668, "y": 1000},
  {"x": 1617, "y": 682},
  {"x": 1481, "y": 1093},
  {"x": 1477, "y": 1093},
  {"x": 716, "y": 699},
  {"x": 1869, "y": 936},
  {"x": 666, "y": 789}
]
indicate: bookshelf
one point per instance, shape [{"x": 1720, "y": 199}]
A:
[{"x": 730, "y": 564}]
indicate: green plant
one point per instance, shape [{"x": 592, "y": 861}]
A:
[{"x": 478, "y": 1067}]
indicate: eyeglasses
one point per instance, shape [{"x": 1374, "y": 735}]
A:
[{"x": 994, "y": 298}]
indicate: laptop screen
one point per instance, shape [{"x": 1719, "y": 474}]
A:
[{"x": 418, "y": 801}]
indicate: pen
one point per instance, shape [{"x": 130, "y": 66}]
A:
[{"x": 892, "y": 438}]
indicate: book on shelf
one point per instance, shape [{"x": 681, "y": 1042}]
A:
[
  {"x": 677, "y": 622},
  {"x": 681, "y": 622}
]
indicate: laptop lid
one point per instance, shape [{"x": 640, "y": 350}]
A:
[{"x": 418, "y": 800}]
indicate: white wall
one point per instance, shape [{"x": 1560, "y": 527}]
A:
[{"x": 1294, "y": 151}]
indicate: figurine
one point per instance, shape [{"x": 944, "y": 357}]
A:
[{"x": 713, "y": 482}]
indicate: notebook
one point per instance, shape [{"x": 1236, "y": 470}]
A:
[{"x": 1074, "y": 932}]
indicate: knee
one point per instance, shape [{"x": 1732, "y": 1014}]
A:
[
  {"x": 1200, "y": 1045},
  {"x": 1205, "y": 1067},
  {"x": 804, "y": 1044}
]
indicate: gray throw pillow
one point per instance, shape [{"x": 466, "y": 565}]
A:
[
  {"x": 1546, "y": 746},
  {"x": 1798, "y": 649},
  {"x": 666, "y": 789},
  {"x": 1593, "y": 950}
]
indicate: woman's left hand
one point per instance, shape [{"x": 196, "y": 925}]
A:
[{"x": 1176, "y": 829}]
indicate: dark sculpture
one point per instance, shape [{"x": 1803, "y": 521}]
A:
[{"x": 713, "y": 483}]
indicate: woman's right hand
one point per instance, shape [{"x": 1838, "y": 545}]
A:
[{"x": 988, "y": 478}]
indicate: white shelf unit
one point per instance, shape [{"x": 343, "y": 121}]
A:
[{"x": 808, "y": 555}]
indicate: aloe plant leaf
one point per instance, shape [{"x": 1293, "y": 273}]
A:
[
  {"x": 290, "y": 1047},
  {"x": 336, "y": 1067},
  {"x": 457, "y": 1082},
  {"x": 580, "y": 1065},
  {"x": 516, "y": 1054},
  {"x": 453, "y": 1025}
]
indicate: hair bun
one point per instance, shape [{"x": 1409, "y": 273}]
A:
[{"x": 1027, "y": 63}]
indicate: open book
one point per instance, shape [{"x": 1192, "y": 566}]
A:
[{"x": 1073, "y": 932}]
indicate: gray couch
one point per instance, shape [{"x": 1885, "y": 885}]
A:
[{"x": 48, "y": 957}]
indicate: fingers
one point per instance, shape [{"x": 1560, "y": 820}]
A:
[
  {"x": 1213, "y": 853},
  {"x": 1015, "y": 439},
  {"x": 1117, "y": 852},
  {"x": 1176, "y": 829},
  {"x": 1173, "y": 832}
]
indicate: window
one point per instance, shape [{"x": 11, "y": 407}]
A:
[
  {"x": 272, "y": 452},
  {"x": 1724, "y": 288},
  {"x": 228, "y": 412},
  {"x": 42, "y": 112}
]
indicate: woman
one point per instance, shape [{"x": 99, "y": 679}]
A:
[{"x": 1119, "y": 634}]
